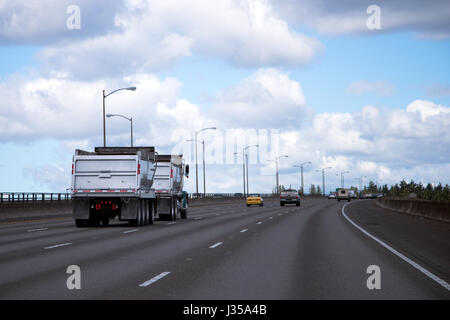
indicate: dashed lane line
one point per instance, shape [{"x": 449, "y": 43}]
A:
[
  {"x": 58, "y": 245},
  {"x": 154, "y": 279}
]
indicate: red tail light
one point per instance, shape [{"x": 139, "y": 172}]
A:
[
  {"x": 139, "y": 168},
  {"x": 171, "y": 173},
  {"x": 72, "y": 168}
]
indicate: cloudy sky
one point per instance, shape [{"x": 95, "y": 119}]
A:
[{"x": 310, "y": 79}]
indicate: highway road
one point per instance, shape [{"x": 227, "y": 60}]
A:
[{"x": 317, "y": 251}]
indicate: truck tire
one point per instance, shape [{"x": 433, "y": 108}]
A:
[
  {"x": 174, "y": 209},
  {"x": 298, "y": 204},
  {"x": 146, "y": 212},
  {"x": 151, "y": 209},
  {"x": 81, "y": 223},
  {"x": 339, "y": 199},
  {"x": 140, "y": 213},
  {"x": 105, "y": 221},
  {"x": 183, "y": 213},
  {"x": 94, "y": 222},
  {"x": 282, "y": 204}
]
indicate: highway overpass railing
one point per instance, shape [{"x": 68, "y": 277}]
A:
[{"x": 10, "y": 197}]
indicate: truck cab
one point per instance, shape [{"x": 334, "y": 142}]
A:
[{"x": 343, "y": 194}]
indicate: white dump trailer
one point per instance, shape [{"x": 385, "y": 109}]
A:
[
  {"x": 171, "y": 200},
  {"x": 113, "y": 182}
]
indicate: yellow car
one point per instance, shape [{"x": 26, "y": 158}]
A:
[{"x": 255, "y": 199}]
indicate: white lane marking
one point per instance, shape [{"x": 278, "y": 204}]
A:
[
  {"x": 259, "y": 222},
  {"x": 34, "y": 230},
  {"x": 154, "y": 279},
  {"x": 398, "y": 254},
  {"x": 280, "y": 214},
  {"x": 270, "y": 218},
  {"x": 244, "y": 230},
  {"x": 59, "y": 245},
  {"x": 218, "y": 214},
  {"x": 129, "y": 231},
  {"x": 215, "y": 245},
  {"x": 171, "y": 222}
]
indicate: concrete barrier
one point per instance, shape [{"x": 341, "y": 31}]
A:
[
  {"x": 18, "y": 211},
  {"x": 434, "y": 210}
]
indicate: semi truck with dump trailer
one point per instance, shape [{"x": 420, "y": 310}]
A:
[
  {"x": 119, "y": 182},
  {"x": 171, "y": 201}
]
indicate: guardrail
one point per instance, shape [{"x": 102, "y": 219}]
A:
[
  {"x": 10, "y": 197},
  {"x": 32, "y": 196}
]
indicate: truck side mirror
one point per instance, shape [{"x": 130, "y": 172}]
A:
[{"x": 187, "y": 170}]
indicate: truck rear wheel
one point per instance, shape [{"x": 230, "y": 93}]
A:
[
  {"x": 151, "y": 209},
  {"x": 81, "y": 223},
  {"x": 174, "y": 209},
  {"x": 145, "y": 212},
  {"x": 105, "y": 221},
  {"x": 139, "y": 213}
]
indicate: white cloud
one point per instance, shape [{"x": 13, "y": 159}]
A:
[
  {"x": 72, "y": 110},
  {"x": 44, "y": 21},
  {"x": 428, "y": 19},
  {"x": 150, "y": 35},
  {"x": 266, "y": 99},
  {"x": 376, "y": 142}
]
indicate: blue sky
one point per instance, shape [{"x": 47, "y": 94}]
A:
[{"x": 392, "y": 86}]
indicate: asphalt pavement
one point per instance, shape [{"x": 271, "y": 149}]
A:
[{"x": 316, "y": 251}]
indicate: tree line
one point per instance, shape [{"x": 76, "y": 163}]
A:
[
  {"x": 432, "y": 192},
  {"x": 411, "y": 189}
]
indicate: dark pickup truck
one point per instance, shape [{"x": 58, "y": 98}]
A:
[{"x": 289, "y": 196}]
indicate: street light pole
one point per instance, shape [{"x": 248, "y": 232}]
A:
[
  {"x": 196, "y": 167},
  {"x": 204, "y": 176},
  {"x": 129, "y": 119},
  {"x": 246, "y": 162},
  {"x": 323, "y": 178},
  {"x": 196, "y": 161},
  {"x": 301, "y": 173},
  {"x": 342, "y": 178},
  {"x": 243, "y": 170},
  {"x": 276, "y": 166},
  {"x": 104, "y": 115},
  {"x": 104, "y": 121}
]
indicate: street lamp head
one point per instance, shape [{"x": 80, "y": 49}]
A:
[
  {"x": 109, "y": 115},
  {"x": 131, "y": 88}
]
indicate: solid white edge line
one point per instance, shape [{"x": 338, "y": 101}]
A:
[
  {"x": 215, "y": 245},
  {"x": 243, "y": 230},
  {"x": 259, "y": 222},
  {"x": 398, "y": 254},
  {"x": 40, "y": 229},
  {"x": 171, "y": 223},
  {"x": 59, "y": 245},
  {"x": 154, "y": 279}
]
